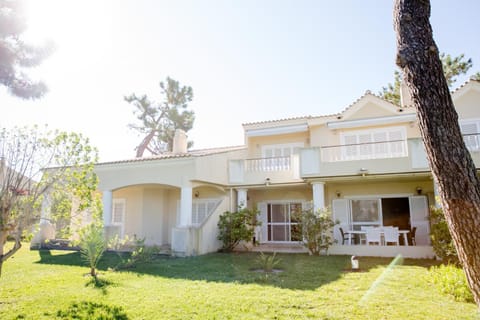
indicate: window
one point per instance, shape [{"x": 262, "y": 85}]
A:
[
  {"x": 366, "y": 212},
  {"x": 281, "y": 150},
  {"x": 201, "y": 209},
  {"x": 276, "y": 157},
  {"x": 118, "y": 213},
  {"x": 282, "y": 225},
  {"x": 471, "y": 132},
  {"x": 374, "y": 144}
]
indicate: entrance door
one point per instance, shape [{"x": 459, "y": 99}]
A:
[
  {"x": 281, "y": 223},
  {"x": 396, "y": 212}
]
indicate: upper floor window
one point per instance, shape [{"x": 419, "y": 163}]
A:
[
  {"x": 471, "y": 132},
  {"x": 372, "y": 144},
  {"x": 281, "y": 150}
]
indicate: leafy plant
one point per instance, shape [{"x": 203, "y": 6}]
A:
[
  {"x": 140, "y": 254},
  {"x": 451, "y": 280},
  {"x": 236, "y": 226},
  {"x": 316, "y": 229},
  {"x": 442, "y": 241},
  {"x": 92, "y": 246},
  {"x": 268, "y": 262}
]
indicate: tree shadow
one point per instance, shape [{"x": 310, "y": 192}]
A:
[
  {"x": 86, "y": 310},
  {"x": 300, "y": 271},
  {"x": 100, "y": 284},
  {"x": 73, "y": 258}
]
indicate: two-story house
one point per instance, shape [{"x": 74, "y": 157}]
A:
[{"x": 366, "y": 163}]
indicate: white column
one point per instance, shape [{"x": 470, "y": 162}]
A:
[
  {"x": 241, "y": 198},
  {"x": 186, "y": 206},
  {"x": 107, "y": 199},
  {"x": 318, "y": 189},
  {"x": 45, "y": 210}
]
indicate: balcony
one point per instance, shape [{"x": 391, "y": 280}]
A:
[
  {"x": 375, "y": 158},
  {"x": 257, "y": 170}
]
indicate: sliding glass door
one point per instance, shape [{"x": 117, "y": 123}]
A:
[{"x": 282, "y": 225}]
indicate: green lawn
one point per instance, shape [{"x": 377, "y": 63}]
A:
[{"x": 53, "y": 285}]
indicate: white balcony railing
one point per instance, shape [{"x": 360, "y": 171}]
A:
[
  {"x": 365, "y": 151},
  {"x": 268, "y": 164}
]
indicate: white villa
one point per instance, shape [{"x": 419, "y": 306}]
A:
[{"x": 367, "y": 163}]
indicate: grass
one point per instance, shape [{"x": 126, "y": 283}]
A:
[{"x": 53, "y": 285}]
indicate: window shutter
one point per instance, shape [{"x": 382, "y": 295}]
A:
[
  {"x": 262, "y": 217},
  {"x": 340, "y": 213},
  {"x": 419, "y": 218}
]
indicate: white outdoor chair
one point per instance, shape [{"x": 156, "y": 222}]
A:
[
  {"x": 390, "y": 235},
  {"x": 363, "y": 238},
  {"x": 374, "y": 236}
]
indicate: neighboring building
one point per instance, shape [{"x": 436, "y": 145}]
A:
[{"x": 366, "y": 163}]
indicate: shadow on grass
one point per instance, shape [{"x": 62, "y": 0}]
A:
[
  {"x": 99, "y": 283},
  {"x": 300, "y": 271},
  {"x": 87, "y": 310}
]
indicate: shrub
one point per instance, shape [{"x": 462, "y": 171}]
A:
[
  {"x": 92, "y": 246},
  {"x": 267, "y": 262},
  {"x": 451, "y": 280},
  {"x": 235, "y": 227},
  {"x": 442, "y": 241},
  {"x": 316, "y": 229},
  {"x": 140, "y": 254}
]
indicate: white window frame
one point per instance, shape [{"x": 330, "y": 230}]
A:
[
  {"x": 121, "y": 224},
  {"x": 289, "y": 223},
  {"x": 210, "y": 205},
  {"x": 370, "y": 151},
  {"x": 472, "y": 141},
  {"x": 282, "y": 147}
]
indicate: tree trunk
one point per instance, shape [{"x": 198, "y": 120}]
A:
[
  {"x": 450, "y": 161},
  {"x": 144, "y": 144},
  {"x": 4, "y": 256}
]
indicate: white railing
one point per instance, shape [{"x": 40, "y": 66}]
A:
[
  {"x": 202, "y": 209},
  {"x": 268, "y": 164},
  {"x": 365, "y": 151}
]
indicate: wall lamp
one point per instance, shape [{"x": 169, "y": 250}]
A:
[
  {"x": 267, "y": 181},
  {"x": 363, "y": 171},
  {"x": 419, "y": 190}
]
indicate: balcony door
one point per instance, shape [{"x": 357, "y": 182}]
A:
[{"x": 279, "y": 223}]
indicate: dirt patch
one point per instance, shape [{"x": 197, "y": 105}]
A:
[{"x": 263, "y": 271}]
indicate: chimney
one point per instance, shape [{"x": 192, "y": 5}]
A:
[
  {"x": 179, "y": 142},
  {"x": 405, "y": 98}
]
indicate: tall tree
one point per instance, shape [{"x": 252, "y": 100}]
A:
[
  {"x": 157, "y": 121},
  {"x": 452, "y": 68},
  {"x": 16, "y": 55},
  {"x": 35, "y": 163},
  {"x": 450, "y": 161}
]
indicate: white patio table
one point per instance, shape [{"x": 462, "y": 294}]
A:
[{"x": 363, "y": 232}]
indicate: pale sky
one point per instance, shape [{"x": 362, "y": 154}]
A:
[{"x": 246, "y": 60}]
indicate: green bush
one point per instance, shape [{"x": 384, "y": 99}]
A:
[
  {"x": 267, "y": 262},
  {"x": 138, "y": 251},
  {"x": 92, "y": 246},
  {"x": 442, "y": 241},
  {"x": 451, "y": 280},
  {"x": 316, "y": 229},
  {"x": 234, "y": 227}
]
